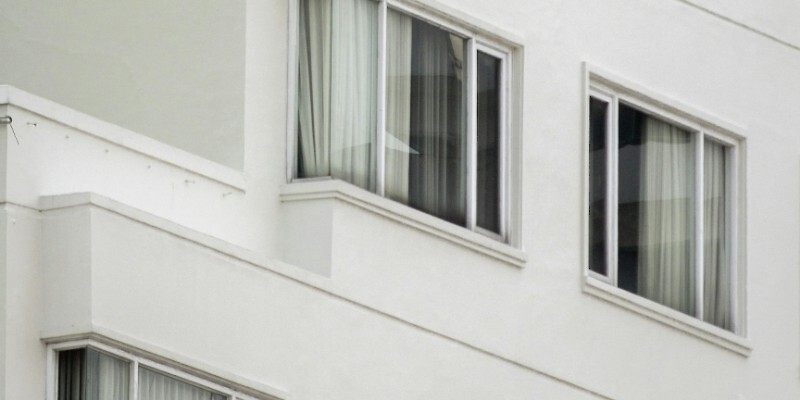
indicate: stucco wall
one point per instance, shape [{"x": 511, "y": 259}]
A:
[
  {"x": 172, "y": 70},
  {"x": 401, "y": 312}
]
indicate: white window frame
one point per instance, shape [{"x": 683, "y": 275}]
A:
[
  {"x": 135, "y": 362},
  {"x": 613, "y": 90},
  {"x": 477, "y": 39}
]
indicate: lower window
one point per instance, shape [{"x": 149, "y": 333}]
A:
[
  {"x": 662, "y": 207},
  {"x": 90, "y": 373}
]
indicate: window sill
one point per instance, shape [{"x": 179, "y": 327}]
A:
[
  {"x": 340, "y": 190},
  {"x": 667, "y": 316}
]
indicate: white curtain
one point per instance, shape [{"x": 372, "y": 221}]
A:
[
  {"x": 108, "y": 377},
  {"x": 398, "y": 105},
  {"x": 156, "y": 386},
  {"x": 716, "y": 269},
  {"x": 437, "y": 173},
  {"x": 337, "y": 90},
  {"x": 666, "y": 217}
]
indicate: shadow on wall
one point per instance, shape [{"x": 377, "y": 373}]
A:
[{"x": 158, "y": 68}]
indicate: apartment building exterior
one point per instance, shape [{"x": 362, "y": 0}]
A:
[{"x": 400, "y": 199}]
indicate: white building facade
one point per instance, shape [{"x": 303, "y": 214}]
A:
[{"x": 400, "y": 199}]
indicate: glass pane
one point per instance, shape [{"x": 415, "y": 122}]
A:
[
  {"x": 598, "y": 117},
  {"x": 87, "y": 374},
  {"x": 71, "y": 374},
  {"x": 425, "y": 137},
  {"x": 488, "y": 188},
  {"x": 656, "y": 210},
  {"x": 157, "y": 386},
  {"x": 336, "y": 93},
  {"x": 717, "y": 300}
]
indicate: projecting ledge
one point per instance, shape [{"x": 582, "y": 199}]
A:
[{"x": 310, "y": 208}]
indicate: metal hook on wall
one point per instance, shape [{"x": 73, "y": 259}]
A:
[{"x": 7, "y": 120}]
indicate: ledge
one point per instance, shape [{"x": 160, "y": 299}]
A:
[
  {"x": 122, "y": 137},
  {"x": 668, "y": 316},
  {"x": 340, "y": 190}
]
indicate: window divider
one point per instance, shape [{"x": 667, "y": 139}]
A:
[
  {"x": 472, "y": 133},
  {"x": 732, "y": 205},
  {"x": 612, "y": 165},
  {"x": 52, "y": 383},
  {"x": 134, "y": 389},
  {"x": 505, "y": 170},
  {"x": 380, "y": 141},
  {"x": 699, "y": 234}
]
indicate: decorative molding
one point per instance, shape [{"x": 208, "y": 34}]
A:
[
  {"x": 309, "y": 190},
  {"x": 57, "y": 203},
  {"x": 667, "y": 316}
]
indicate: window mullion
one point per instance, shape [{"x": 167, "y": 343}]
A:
[
  {"x": 503, "y": 143},
  {"x": 731, "y": 204},
  {"x": 134, "y": 389},
  {"x": 472, "y": 133},
  {"x": 380, "y": 142},
  {"x": 698, "y": 222},
  {"x": 612, "y": 166}
]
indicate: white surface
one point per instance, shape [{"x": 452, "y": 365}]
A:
[
  {"x": 173, "y": 70},
  {"x": 404, "y": 315}
]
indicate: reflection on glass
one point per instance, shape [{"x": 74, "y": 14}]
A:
[
  {"x": 717, "y": 279},
  {"x": 656, "y": 210},
  {"x": 598, "y": 117},
  {"x": 488, "y": 130},
  {"x": 87, "y": 374},
  {"x": 425, "y": 109}
]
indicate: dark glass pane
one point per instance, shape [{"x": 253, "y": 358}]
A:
[
  {"x": 717, "y": 288},
  {"x": 488, "y": 188},
  {"x": 425, "y": 137},
  {"x": 598, "y": 175},
  {"x": 656, "y": 210},
  {"x": 87, "y": 374},
  {"x": 71, "y": 374},
  {"x": 631, "y": 124}
]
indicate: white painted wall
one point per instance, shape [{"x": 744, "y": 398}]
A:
[
  {"x": 172, "y": 70},
  {"x": 184, "y": 256}
]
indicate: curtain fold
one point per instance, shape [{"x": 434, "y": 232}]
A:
[
  {"x": 666, "y": 223},
  {"x": 717, "y": 301},
  {"x": 437, "y": 174},
  {"x": 337, "y": 80},
  {"x": 107, "y": 377},
  {"x": 71, "y": 374},
  {"x": 157, "y": 386},
  {"x": 398, "y": 105}
]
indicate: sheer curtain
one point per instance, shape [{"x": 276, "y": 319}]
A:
[
  {"x": 71, "y": 374},
  {"x": 107, "y": 377},
  {"x": 87, "y": 374},
  {"x": 437, "y": 176},
  {"x": 156, "y": 386},
  {"x": 337, "y": 80},
  {"x": 716, "y": 273},
  {"x": 398, "y": 105},
  {"x": 666, "y": 216}
]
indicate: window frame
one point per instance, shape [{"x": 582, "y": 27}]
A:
[
  {"x": 613, "y": 90},
  {"x": 135, "y": 361},
  {"x": 478, "y": 39}
]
